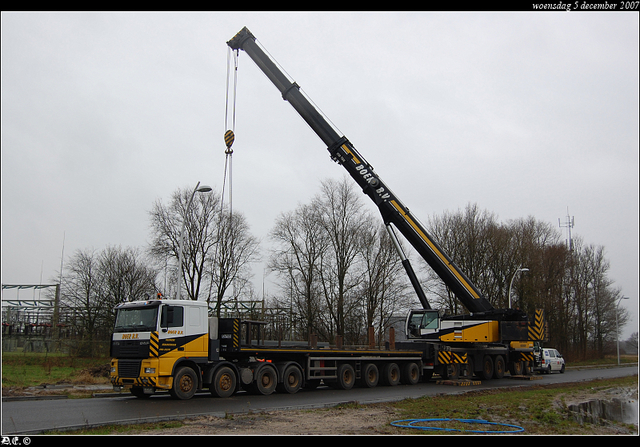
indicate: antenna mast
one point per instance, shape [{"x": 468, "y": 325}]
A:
[{"x": 568, "y": 224}]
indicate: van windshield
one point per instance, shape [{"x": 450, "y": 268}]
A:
[{"x": 136, "y": 319}]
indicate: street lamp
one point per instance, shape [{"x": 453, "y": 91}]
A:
[
  {"x": 520, "y": 269},
  {"x": 617, "y": 335},
  {"x": 198, "y": 188}
]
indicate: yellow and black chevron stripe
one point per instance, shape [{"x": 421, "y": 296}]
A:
[
  {"x": 446, "y": 357},
  {"x": 235, "y": 339},
  {"x": 537, "y": 329},
  {"x": 153, "y": 344}
]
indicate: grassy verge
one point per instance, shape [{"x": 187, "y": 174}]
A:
[
  {"x": 540, "y": 409},
  {"x": 23, "y": 370}
]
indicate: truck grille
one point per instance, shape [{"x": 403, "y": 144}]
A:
[{"x": 129, "y": 368}]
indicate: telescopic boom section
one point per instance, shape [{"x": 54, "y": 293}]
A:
[{"x": 391, "y": 208}]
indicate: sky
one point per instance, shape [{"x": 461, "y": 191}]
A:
[{"x": 523, "y": 114}]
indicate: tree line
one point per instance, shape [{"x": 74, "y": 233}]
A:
[{"x": 338, "y": 271}]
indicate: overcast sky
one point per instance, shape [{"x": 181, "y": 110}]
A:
[{"x": 523, "y": 114}]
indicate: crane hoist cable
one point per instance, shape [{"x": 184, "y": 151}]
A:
[{"x": 230, "y": 119}]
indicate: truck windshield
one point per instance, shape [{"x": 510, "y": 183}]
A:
[{"x": 136, "y": 319}]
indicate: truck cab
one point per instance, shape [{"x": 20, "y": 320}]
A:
[{"x": 151, "y": 339}]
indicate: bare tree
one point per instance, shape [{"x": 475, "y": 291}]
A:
[
  {"x": 229, "y": 262},
  {"x": 202, "y": 235},
  {"x": 296, "y": 258},
  {"x": 343, "y": 218},
  {"x": 96, "y": 281},
  {"x": 384, "y": 287}
]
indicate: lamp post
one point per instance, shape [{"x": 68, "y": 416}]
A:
[
  {"x": 617, "y": 335},
  {"x": 198, "y": 188},
  {"x": 520, "y": 269}
]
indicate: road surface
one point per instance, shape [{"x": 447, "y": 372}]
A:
[{"x": 36, "y": 416}]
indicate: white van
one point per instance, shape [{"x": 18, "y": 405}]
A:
[{"x": 550, "y": 360}]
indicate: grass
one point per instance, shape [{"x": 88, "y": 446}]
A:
[
  {"x": 538, "y": 409},
  {"x": 23, "y": 370}
]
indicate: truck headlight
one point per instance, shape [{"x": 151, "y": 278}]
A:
[{"x": 149, "y": 370}]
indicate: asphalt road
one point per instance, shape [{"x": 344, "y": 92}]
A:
[{"x": 36, "y": 416}]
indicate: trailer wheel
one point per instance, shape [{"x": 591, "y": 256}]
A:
[
  {"x": 185, "y": 384},
  {"x": 346, "y": 377},
  {"x": 265, "y": 381},
  {"x": 224, "y": 383},
  {"x": 391, "y": 374},
  {"x": 291, "y": 380},
  {"x": 498, "y": 367},
  {"x": 410, "y": 373},
  {"x": 487, "y": 367},
  {"x": 370, "y": 375}
]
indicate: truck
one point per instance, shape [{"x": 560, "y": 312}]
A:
[
  {"x": 175, "y": 346},
  {"x": 181, "y": 350}
]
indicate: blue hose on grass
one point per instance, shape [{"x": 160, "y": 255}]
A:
[{"x": 409, "y": 423}]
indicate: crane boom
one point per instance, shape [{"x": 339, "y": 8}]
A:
[{"x": 393, "y": 211}]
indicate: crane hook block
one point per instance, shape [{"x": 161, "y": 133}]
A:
[{"x": 229, "y": 137}]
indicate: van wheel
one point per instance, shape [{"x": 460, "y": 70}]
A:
[
  {"x": 185, "y": 384},
  {"x": 224, "y": 383}
]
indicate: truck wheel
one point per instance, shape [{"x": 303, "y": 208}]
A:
[
  {"x": 224, "y": 383},
  {"x": 346, "y": 377},
  {"x": 291, "y": 380},
  {"x": 487, "y": 367},
  {"x": 410, "y": 374},
  {"x": 391, "y": 374},
  {"x": 265, "y": 381},
  {"x": 498, "y": 367},
  {"x": 370, "y": 375},
  {"x": 185, "y": 384}
]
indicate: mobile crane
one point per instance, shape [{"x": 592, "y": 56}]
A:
[
  {"x": 173, "y": 345},
  {"x": 493, "y": 338}
]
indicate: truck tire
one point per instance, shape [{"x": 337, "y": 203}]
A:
[
  {"x": 224, "y": 382},
  {"x": 346, "y": 377},
  {"x": 370, "y": 375},
  {"x": 498, "y": 367},
  {"x": 291, "y": 380},
  {"x": 410, "y": 374},
  {"x": 185, "y": 384},
  {"x": 265, "y": 381},
  {"x": 487, "y": 368},
  {"x": 391, "y": 374}
]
